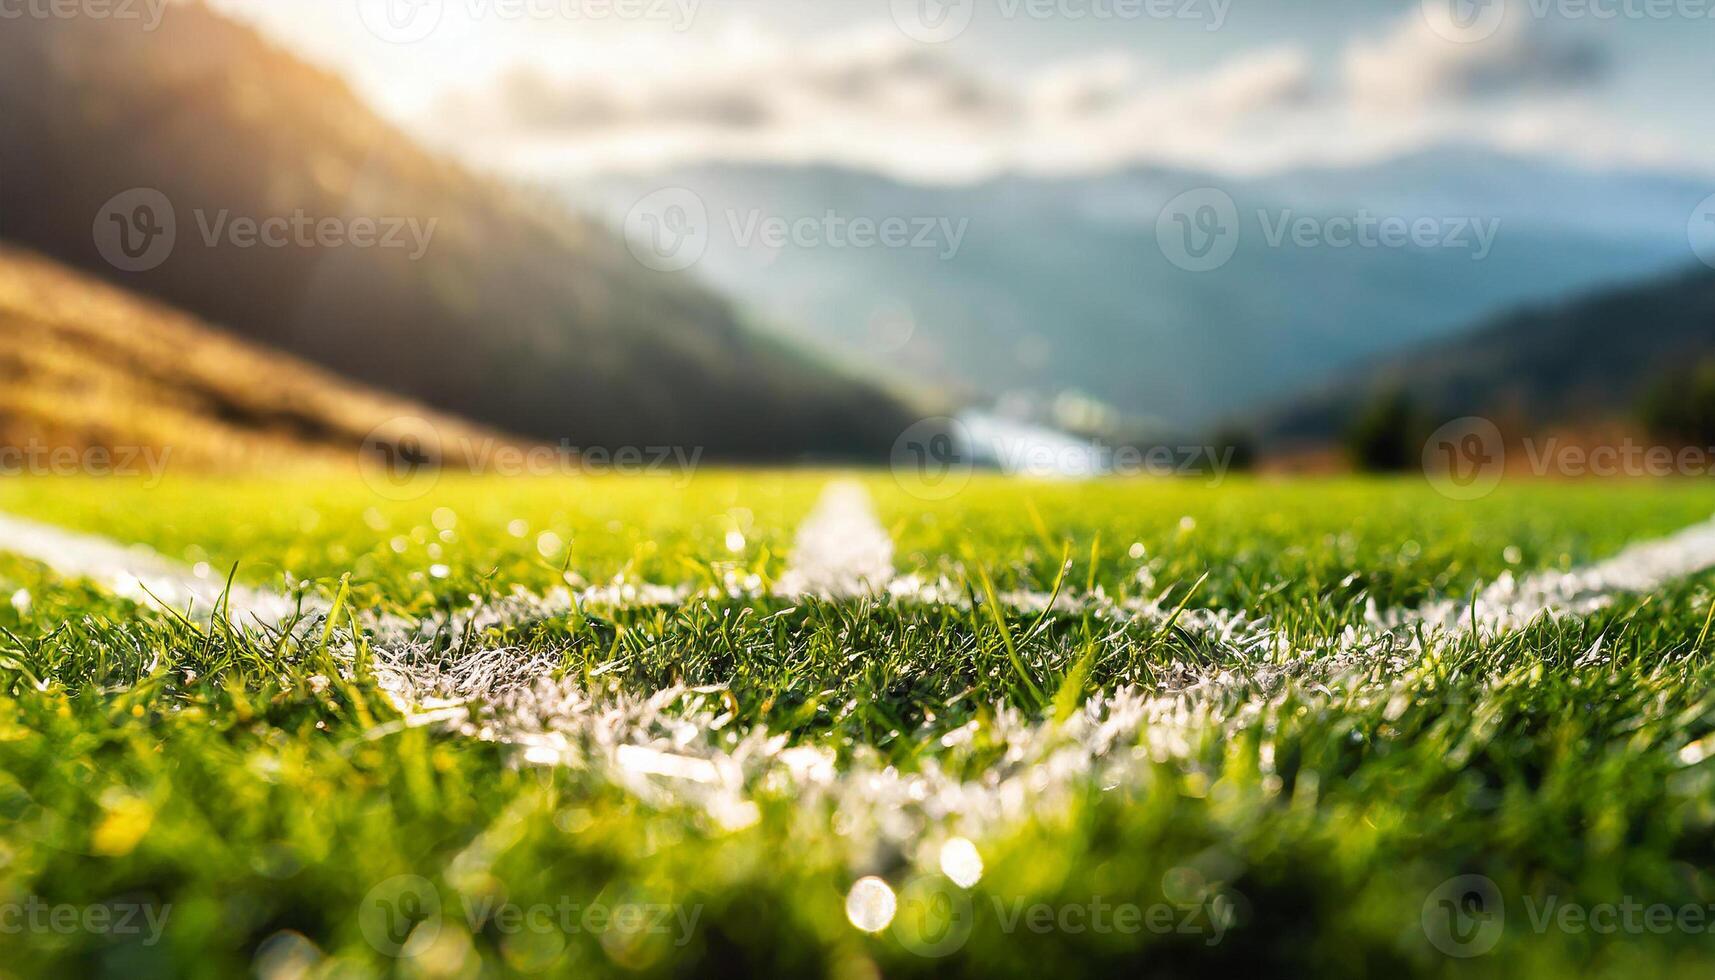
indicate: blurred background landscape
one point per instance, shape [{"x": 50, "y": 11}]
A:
[{"x": 1057, "y": 181}]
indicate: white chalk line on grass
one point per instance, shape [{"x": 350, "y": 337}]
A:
[
  {"x": 841, "y": 551},
  {"x": 1511, "y": 603},
  {"x": 137, "y": 573},
  {"x": 679, "y": 745}
]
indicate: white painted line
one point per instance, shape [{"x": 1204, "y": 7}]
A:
[
  {"x": 1511, "y": 603},
  {"x": 138, "y": 573},
  {"x": 677, "y": 747},
  {"x": 841, "y": 551}
]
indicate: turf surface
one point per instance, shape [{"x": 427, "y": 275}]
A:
[{"x": 259, "y": 791}]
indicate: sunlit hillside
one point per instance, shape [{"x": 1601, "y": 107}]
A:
[{"x": 87, "y": 365}]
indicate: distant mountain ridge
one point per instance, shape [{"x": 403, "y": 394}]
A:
[
  {"x": 1059, "y": 283},
  {"x": 1583, "y": 361},
  {"x": 519, "y": 315}
]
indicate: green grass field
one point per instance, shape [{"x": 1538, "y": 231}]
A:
[{"x": 1205, "y": 753}]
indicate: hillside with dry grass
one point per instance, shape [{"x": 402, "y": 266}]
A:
[{"x": 84, "y": 365}]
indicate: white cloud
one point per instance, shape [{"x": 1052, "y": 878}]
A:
[
  {"x": 1416, "y": 65},
  {"x": 871, "y": 99},
  {"x": 563, "y": 102},
  {"x": 765, "y": 85}
]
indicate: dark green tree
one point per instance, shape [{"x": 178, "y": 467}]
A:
[
  {"x": 1681, "y": 407},
  {"x": 1242, "y": 445},
  {"x": 1386, "y": 435}
]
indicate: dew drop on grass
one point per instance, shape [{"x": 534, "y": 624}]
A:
[
  {"x": 1183, "y": 885},
  {"x": 541, "y": 755},
  {"x": 444, "y": 519},
  {"x": 870, "y": 904},
  {"x": 548, "y": 544},
  {"x": 961, "y": 862},
  {"x": 285, "y": 955},
  {"x": 735, "y": 541},
  {"x": 439, "y": 571}
]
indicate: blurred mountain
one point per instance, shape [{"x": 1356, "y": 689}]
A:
[
  {"x": 1578, "y": 362},
  {"x": 86, "y": 365},
  {"x": 1060, "y": 285},
  {"x": 1617, "y": 205},
  {"x": 515, "y": 314}
]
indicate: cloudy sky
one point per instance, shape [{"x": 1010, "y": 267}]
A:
[{"x": 953, "y": 90}]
